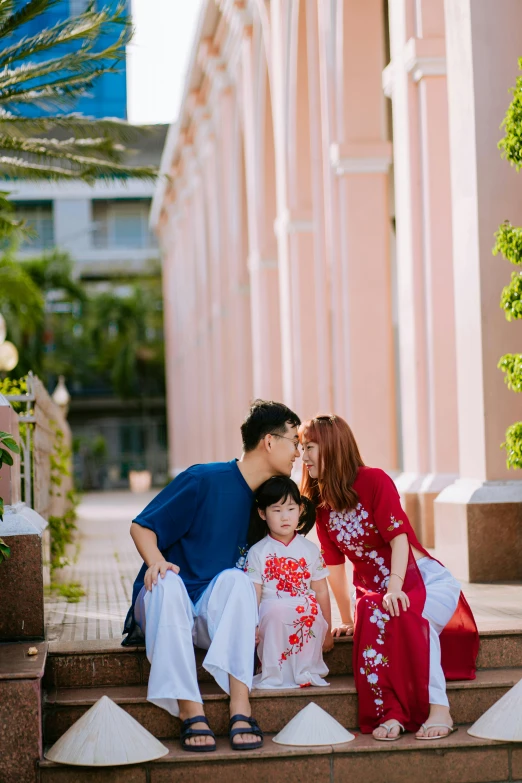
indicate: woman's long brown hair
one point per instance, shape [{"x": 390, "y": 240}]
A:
[{"x": 339, "y": 461}]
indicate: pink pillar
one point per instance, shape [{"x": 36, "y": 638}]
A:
[
  {"x": 477, "y": 519},
  {"x": 261, "y": 212},
  {"x": 301, "y": 318},
  {"x": 361, "y": 155},
  {"x": 236, "y": 301},
  {"x": 415, "y": 79}
]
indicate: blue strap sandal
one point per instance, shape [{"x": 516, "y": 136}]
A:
[
  {"x": 187, "y": 732},
  {"x": 254, "y": 729}
]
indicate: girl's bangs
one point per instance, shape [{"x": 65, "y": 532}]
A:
[{"x": 277, "y": 490}]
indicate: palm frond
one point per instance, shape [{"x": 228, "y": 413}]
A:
[
  {"x": 55, "y": 148},
  {"x": 17, "y": 168},
  {"x": 9, "y": 21},
  {"x": 81, "y": 127},
  {"x": 84, "y": 62},
  {"x": 11, "y": 228},
  {"x": 54, "y": 94},
  {"x": 84, "y": 27}
]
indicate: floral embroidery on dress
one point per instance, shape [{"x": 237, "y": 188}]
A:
[
  {"x": 395, "y": 523},
  {"x": 373, "y": 660},
  {"x": 302, "y": 628},
  {"x": 292, "y": 575},
  {"x": 351, "y": 527},
  {"x": 241, "y": 563}
]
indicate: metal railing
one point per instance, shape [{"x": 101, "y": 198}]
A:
[{"x": 42, "y": 419}]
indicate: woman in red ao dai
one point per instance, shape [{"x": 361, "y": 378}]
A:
[{"x": 413, "y": 626}]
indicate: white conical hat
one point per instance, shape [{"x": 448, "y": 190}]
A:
[
  {"x": 313, "y": 726},
  {"x": 503, "y": 721},
  {"x": 106, "y": 736}
]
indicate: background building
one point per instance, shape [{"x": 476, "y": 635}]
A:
[{"x": 326, "y": 235}]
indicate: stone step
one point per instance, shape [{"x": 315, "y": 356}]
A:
[
  {"x": 99, "y": 663},
  {"x": 273, "y": 709},
  {"x": 457, "y": 759}
]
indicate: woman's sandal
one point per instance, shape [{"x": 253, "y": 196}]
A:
[
  {"x": 388, "y": 729},
  {"x": 253, "y": 730},
  {"x": 425, "y": 727},
  {"x": 187, "y": 732}
]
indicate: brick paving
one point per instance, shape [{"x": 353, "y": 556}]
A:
[{"x": 107, "y": 563}]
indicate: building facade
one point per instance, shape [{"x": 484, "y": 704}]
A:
[{"x": 326, "y": 230}]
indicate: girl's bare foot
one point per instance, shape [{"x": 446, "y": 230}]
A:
[
  {"x": 438, "y": 714},
  {"x": 393, "y": 731}
]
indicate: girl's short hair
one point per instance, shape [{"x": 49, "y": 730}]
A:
[{"x": 278, "y": 489}]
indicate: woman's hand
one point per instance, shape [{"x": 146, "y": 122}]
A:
[
  {"x": 328, "y": 643},
  {"x": 151, "y": 574},
  {"x": 393, "y": 599},
  {"x": 345, "y": 629}
]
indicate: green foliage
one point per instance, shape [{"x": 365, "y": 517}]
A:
[
  {"x": 72, "y": 591},
  {"x": 39, "y": 69},
  {"x": 511, "y": 297},
  {"x": 110, "y": 340},
  {"x": 511, "y": 144},
  {"x": 511, "y": 366},
  {"x": 513, "y": 445},
  {"x": 7, "y": 444},
  {"x": 509, "y": 242},
  {"x": 62, "y": 528}
]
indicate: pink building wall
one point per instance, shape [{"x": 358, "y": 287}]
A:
[{"x": 334, "y": 179}]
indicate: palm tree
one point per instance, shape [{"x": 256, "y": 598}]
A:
[{"x": 37, "y": 70}]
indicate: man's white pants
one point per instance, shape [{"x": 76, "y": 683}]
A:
[
  {"x": 223, "y": 621},
  {"x": 442, "y": 597}
]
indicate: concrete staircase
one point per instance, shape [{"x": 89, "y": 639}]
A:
[{"x": 77, "y": 674}]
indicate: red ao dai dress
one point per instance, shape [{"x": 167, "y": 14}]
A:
[
  {"x": 292, "y": 628},
  {"x": 391, "y": 655}
]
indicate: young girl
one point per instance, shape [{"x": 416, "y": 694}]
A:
[
  {"x": 288, "y": 573},
  {"x": 405, "y": 598}
]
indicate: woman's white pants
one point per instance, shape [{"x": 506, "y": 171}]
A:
[
  {"x": 442, "y": 597},
  {"x": 223, "y": 622}
]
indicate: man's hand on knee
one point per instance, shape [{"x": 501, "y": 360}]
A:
[{"x": 159, "y": 568}]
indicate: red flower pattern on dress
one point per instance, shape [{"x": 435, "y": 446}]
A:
[
  {"x": 292, "y": 575},
  {"x": 302, "y": 629}
]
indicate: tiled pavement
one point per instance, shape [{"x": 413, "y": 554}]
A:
[{"x": 108, "y": 562}]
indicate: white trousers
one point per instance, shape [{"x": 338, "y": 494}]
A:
[
  {"x": 442, "y": 597},
  {"x": 223, "y": 622}
]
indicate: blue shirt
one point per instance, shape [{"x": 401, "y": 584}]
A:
[{"x": 201, "y": 521}]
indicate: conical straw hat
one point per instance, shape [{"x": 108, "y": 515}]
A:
[
  {"x": 313, "y": 726},
  {"x": 503, "y": 721},
  {"x": 106, "y": 736}
]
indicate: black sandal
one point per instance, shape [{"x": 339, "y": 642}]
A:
[
  {"x": 187, "y": 733},
  {"x": 254, "y": 729}
]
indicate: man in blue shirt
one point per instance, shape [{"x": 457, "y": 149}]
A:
[{"x": 188, "y": 590}]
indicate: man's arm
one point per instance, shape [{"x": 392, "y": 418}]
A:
[{"x": 146, "y": 542}]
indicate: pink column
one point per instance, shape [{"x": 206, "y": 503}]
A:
[
  {"x": 361, "y": 155},
  {"x": 415, "y": 79},
  {"x": 302, "y": 320},
  {"x": 477, "y": 519},
  {"x": 261, "y": 213},
  {"x": 236, "y": 300}
]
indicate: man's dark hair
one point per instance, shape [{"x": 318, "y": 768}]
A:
[{"x": 263, "y": 418}]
